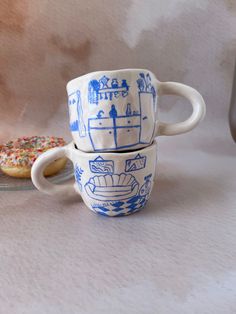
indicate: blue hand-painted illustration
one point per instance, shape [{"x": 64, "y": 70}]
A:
[
  {"x": 100, "y": 114},
  {"x": 74, "y": 126},
  {"x": 110, "y": 127},
  {"x": 106, "y": 88},
  {"x": 128, "y": 110},
  {"x": 138, "y": 124},
  {"x": 100, "y": 165},
  {"x": 76, "y": 110},
  {"x": 113, "y": 112},
  {"x": 147, "y": 95},
  {"x": 112, "y": 187},
  {"x": 145, "y": 84},
  {"x": 78, "y": 173},
  {"x": 146, "y": 187},
  {"x": 124, "y": 207},
  {"x": 137, "y": 163}
]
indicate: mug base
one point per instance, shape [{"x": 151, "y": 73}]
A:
[
  {"x": 118, "y": 215},
  {"x": 119, "y": 209}
]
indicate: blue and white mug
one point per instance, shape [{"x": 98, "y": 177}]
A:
[
  {"x": 117, "y": 110},
  {"x": 111, "y": 184}
]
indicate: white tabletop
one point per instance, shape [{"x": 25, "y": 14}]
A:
[{"x": 178, "y": 255}]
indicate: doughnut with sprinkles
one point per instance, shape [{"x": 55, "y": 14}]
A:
[{"x": 17, "y": 157}]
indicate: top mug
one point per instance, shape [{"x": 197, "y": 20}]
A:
[{"x": 117, "y": 110}]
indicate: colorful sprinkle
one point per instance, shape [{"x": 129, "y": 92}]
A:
[{"x": 24, "y": 151}]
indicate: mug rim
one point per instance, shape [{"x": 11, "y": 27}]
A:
[
  {"x": 122, "y": 154},
  {"x": 78, "y": 78}
]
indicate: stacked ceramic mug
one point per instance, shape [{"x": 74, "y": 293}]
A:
[{"x": 114, "y": 122}]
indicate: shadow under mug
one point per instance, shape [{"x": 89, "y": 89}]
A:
[
  {"x": 111, "y": 184},
  {"x": 117, "y": 110}
]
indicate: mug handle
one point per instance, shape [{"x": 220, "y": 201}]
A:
[
  {"x": 196, "y": 100},
  {"x": 41, "y": 183}
]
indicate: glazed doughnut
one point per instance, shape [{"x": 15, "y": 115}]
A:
[{"x": 17, "y": 157}]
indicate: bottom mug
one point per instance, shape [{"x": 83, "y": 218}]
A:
[{"x": 110, "y": 184}]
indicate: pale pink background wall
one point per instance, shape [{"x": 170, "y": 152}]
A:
[
  {"x": 178, "y": 255},
  {"x": 46, "y": 43}
]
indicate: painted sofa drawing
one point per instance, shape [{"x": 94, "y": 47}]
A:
[{"x": 112, "y": 187}]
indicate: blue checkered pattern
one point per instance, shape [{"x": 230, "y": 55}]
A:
[{"x": 122, "y": 208}]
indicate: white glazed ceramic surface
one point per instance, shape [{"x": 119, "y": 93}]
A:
[
  {"x": 117, "y": 110},
  {"x": 111, "y": 184}
]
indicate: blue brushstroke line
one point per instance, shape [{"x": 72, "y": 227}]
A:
[
  {"x": 74, "y": 126},
  {"x": 114, "y": 127},
  {"x": 106, "y": 87},
  {"x": 130, "y": 162},
  {"x": 107, "y": 118},
  {"x": 110, "y": 163}
]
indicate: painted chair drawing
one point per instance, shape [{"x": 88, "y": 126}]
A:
[{"x": 112, "y": 187}]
